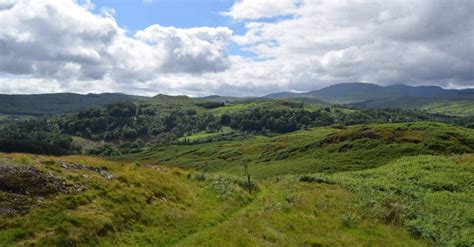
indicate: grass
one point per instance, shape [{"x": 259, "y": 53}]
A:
[
  {"x": 404, "y": 184},
  {"x": 203, "y": 135},
  {"x": 159, "y": 206},
  {"x": 455, "y": 108},
  {"x": 432, "y": 196},
  {"x": 316, "y": 150},
  {"x": 460, "y": 108},
  {"x": 142, "y": 206},
  {"x": 289, "y": 213}
]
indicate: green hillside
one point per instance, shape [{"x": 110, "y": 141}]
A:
[
  {"x": 431, "y": 195},
  {"x": 172, "y": 171},
  {"x": 83, "y": 201},
  {"x": 455, "y": 108},
  {"x": 325, "y": 149},
  {"x": 433, "y": 105}
]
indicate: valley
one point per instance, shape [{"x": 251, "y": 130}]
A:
[{"x": 175, "y": 171}]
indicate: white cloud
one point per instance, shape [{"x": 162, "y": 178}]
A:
[
  {"x": 417, "y": 42},
  {"x": 52, "y": 46},
  {"x": 257, "y": 9},
  {"x": 191, "y": 50},
  {"x": 64, "y": 40}
]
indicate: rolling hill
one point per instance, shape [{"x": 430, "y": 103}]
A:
[
  {"x": 433, "y": 105},
  {"x": 357, "y": 92},
  {"x": 415, "y": 175},
  {"x": 50, "y": 104},
  {"x": 324, "y": 149},
  {"x": 399, "y": 184}
]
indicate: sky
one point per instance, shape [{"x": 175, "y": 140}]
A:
[{"x": 235, "y": 48}]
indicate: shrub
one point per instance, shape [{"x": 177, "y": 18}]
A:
[
  {"x": 310, "y": 179},
  {"x": 347, "y": 220}
]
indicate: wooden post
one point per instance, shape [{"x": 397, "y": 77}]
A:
[
  {"x": 248, "y": 179},
  {"x": 246, "y": 167}
]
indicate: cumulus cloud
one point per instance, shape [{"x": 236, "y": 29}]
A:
[
  {"x": 64, "y": 40},
  {"x": 417, "y": 42},
  {"x": 299, "y": 45},
  {"x": 193, "y": 50}
]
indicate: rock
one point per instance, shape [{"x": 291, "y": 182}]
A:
[
  {"x": 28, "y": 180},
  {"x": 107, "y": 175},
  {"x": 14, "y": 204},
  {"x": 102, "y": 171}
]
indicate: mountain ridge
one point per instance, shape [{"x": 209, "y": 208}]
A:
[
  {"x": 57, "y": 103},
  {"x": 353, "y": 92}
]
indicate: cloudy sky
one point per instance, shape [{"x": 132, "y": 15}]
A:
[{"x": 243, "y": 47}]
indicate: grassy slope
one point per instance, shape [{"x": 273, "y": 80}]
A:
[
  {"x": 455, "y": 108},
  {"x": 120, "y": 211},
  {"x": 316, "y": 150},
  {"x": 203, "y": 135},
  {"x": 289, "y": 213},
  {"x": 433, "y": 196},
  {"x": 190, "y": 209},
  {"x": 460, "y": 108}
]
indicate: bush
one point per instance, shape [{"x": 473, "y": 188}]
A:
[
  {"x": 347, "y": 220},
  {"x": 310, "y": 179}
]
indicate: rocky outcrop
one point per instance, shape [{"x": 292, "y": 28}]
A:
[
  {"x": 102, "y": 171},
  {"x": 23, "y": 186},
  {"x": 27, "y": 180}
]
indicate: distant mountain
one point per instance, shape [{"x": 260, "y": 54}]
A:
[
  {"x": 285, "y": 95},
  {"x": 221, "y": 99},
  {"x": 48, "y": 104},
  {"x": 358, "y": 92}
]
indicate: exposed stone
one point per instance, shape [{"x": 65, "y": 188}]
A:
[
  {"x": 23, "y": 186},
  {"x": 28, "y": 180},
  {"x": 102, "y": 171}
]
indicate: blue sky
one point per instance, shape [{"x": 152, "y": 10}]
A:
[{"x": 136, "y": 14}]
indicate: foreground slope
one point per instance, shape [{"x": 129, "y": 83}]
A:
[
  {"x": 80, "y": 204},
  {"x": 83, "y": 201},
  {"x": 433, "y": 196},
  {"x": 416, "y": 175}
]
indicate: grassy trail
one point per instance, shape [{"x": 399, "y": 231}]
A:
[
  {"x": 290, "y": 213},
  {"x": 228, "y": 217}
]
